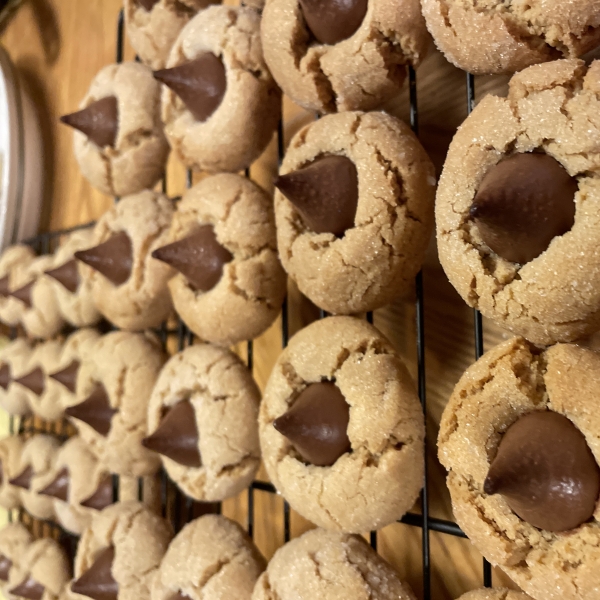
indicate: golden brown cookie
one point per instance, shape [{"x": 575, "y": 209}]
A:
[
  {"x": 13, "y": 260},
  {"x": 230, "y": 284},
  {"x": 226, "y": 123},
  {"x": 494, "y": 594},
  {"x": 365, "y": 262},
  {"x": 14, "y": 541},
  {"x": 14, "y": 363},
  {"x": 339, "y": 377},
  {"x": 555, "y": 295},
  {"x": 11, "y": 448}
]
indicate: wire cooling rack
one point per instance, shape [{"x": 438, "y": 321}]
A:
[{"x": 178, "y": 508}]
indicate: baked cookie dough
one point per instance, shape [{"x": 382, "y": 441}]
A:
[
  {"x": 119, "y": 140},
  {"x": 211, "y": 557},
  {"x": 349, "y": 248},
  {"x": 230, "y": 284},
  {"x": 345, "y": 55},
  {"x": 14, "y": 363},
  {"x": 74, "y": 292},
  {"x": 341, "y": 428},
  {"x": 111, "y": 407},
  {"x": 13, "y": 260},
  {"x": 202, "y": 420},
  {"x": 119, "y": 554},
  {"x": 129, "y": 287},
  {"x": 34, "y": 473},
  {"x": 11, "y": 448},
  {"x": 322, "y": 565},
  {"x": 220, "y": 105},
  {"x": 14, "y": 541},
  {"x": 504, "y": 37},
  {"x": 496, "y": 594},
  {"x": 549, "y": 115},
  {"x": 494, "y": 458}
]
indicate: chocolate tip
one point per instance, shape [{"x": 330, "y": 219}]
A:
[{"x": 490, "y": 486}]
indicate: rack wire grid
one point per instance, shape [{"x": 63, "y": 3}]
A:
[{"x": 176, "y": 506}]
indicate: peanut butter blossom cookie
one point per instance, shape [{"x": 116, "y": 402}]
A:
[
  {"x": 520, "y": 438},
  {"x": 331, "y": 56},
  {"x": 497, "y": 594},
  {"x": 518, "y": 203},
  {"x": 354, "y": 210},
  {"x": 216, "y": 86},
  {"x": 341, "y": 428},
  {"x": 14, "y": 259},
  {"x": 14, "y": 541},
  {"x": 119, "y": 141},
  {"x": 11, "y": 448},
  {"x": 15, "y": 358}
]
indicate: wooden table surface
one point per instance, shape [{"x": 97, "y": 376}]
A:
[{"x": 59, "y": 45}]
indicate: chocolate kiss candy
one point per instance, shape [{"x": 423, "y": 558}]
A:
[
  {"x": 147, "y": 4},
  {"x": 59, "y": 488},
  {"x": 5, "y": 565},
  {"x": 180, "y": 596},
  {"x": 198, "y": 257},
  {"x": 68, "y": 376},
  {"x": 4, "y": 291},
  {"x": 325, "y": 193},
  {"x": 546, "y": 472},
  {"x": 34, "y": 380},
  {"x": 522, "y": 204},
  {"x": 316, "y": 424},
  {"x": 177, "y": 436},
  {"x": 29, "y": 588},
  {"x": 67, "y": 275},
  {"x": 4, "y": 376},
  {"x": 24, "y": 294},
  {"x": 95, "y": 410},
  {"x": 1, "y": 473},
  {"x": 113, "y": 258},
  {"x": 200, "y": 84},
  {"x": 102, "y": 497},
  {"x": 99, "y": 121},
  {"x": 97, "y": 582},
  {"x": 332, "y": 21},
  {"x": 23, "y": 479}
]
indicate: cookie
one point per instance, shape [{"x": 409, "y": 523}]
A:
[
  {"x": 153, "y": 26},
  {"x": 521, "y": 441},
  {"x": 341, "y": 428},
  {"x": 74, "y": 292},
  {"x": 13, "y": 260},
  {"x": 14, "y": 541},
  {"x": 14, "y": 363},
  {"x": 119, "y": 554},
  {"x": 496, "y": 594},
  {"x": 322, "y": 565},
  {"x": 34, "y": 473},
  {"x": 202, "y": 420},
  {"x": 340, "y": 56},
  {"x": 220, "y": 105},
  {"x": 354, "y": 210},
  {"x": 530, "y": 266},
  {"x": 119, "y": 140},
  {"x": 230, "y": 284},
  {"x": 11, "y": 448},
  {"x": 497, "y": 37},
  {"x": 128, "y": 286},
  {"x": 110, "y": 411},
  {"x": 211, "y": 557},
  {"x": 42, "y": 572}
]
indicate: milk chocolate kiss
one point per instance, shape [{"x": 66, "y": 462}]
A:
[
  {"x": 67, "y": 275},
  {"x": 23, "y": 479},
  {"x": 113, "y": 258},
  {"x": 4, "y": 290},
  {"x": 95, "y": 410},
  {"x": 59, "y": 488},
  {"x": 29, "y": 588},
  {"x": 325, "y": 193},
  {"x": 148, "y": 5},
  {"x": 522, "y": 204},
  {"x": 34, "y": 380},
  {"x": 546, "y": 472},
  {"x": 332, "y": 21},
  {"x": 316, "y": 424},
  {"x": 177, "y": 436},
  {"x": 200, "y": 84},
  {"x": 198, "y": 257},
  {"x": 102, "y": 497},
  {"x": 5, "y": 565},
  {"x": 68, "y": 376},
  {"x": 24, "y": 294},
  {"x": 97, "y": 582},
  {"x": 4, "y": 376},
  {"x": 99, "y": 121}
]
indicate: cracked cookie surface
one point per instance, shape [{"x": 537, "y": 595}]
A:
[
  {"x": 240, "y": 128},
  {"x": 323, "y": 565},
  {"x": 378, "y": 258},
  {"x": 379, "y": 479},
  {"x": 358, "y": 73},
  {"x": 502, "y": 36},
  {"x": 212, "y": 557},
  {"x": 496, "y": 594},
  {"x": 555, "y": 297},
  {"x": 507, "y": 382},
  {"x": 248, "y": 297},
  {"x": 14, "y": 259}
]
